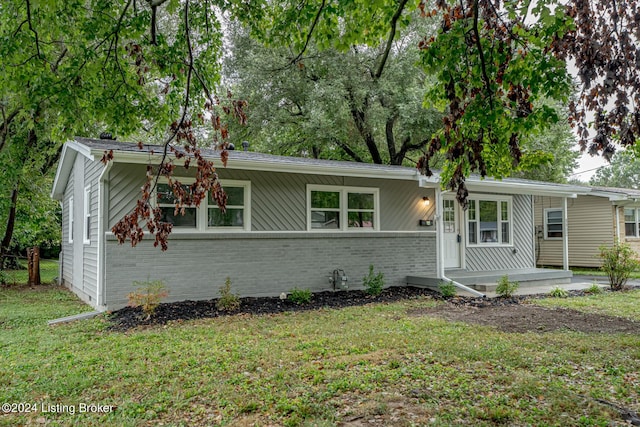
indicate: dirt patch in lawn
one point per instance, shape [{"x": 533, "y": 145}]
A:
[
  {"x": 522, "y": 316},
  {"x": 515, "y": 314}
]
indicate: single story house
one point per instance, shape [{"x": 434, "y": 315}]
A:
[
  {"x": 290, "y": 222},
  {"x": 598, "y": 218}
]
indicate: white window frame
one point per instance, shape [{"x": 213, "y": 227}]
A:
[
  {"x": 202, "y": 211},
  {"x": 70, "y": 208},
  {"x": 636, "y": 215},
  {"x": 246, "y": 218},
  {"x": 499, "y": 221},
  {"x": 86, "y": 216},
  {"x": 546, "y": 223},
  {"x": 344, "y": 207}
]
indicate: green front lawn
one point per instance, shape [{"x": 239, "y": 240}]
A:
[
  {"x": 580, "y": 271},
  {"x": 48, "y": 272},
  {"x": 372, "y": 364}
]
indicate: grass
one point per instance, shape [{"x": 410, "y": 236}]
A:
[
  {"x": 48, "y": 272},
  {"x": 597, "y": 272},
  {"x": 624, "y": 304},
  {"x": 313, "y": 368}
]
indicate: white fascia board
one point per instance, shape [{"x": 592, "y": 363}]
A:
[
  {"x": 269, "y": 166},
  {"x": 526, "y": 188},
  {"x": 70, "y": 150},
  {"x": 613, "y": 197}
]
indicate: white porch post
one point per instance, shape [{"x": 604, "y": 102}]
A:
[
  {"x": 617, "y": 208},
  {"x": 439, "y": 235},
  {"x": 565, "y": 235}
]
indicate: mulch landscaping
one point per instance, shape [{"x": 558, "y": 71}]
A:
[{"x": 513, "y": 314}]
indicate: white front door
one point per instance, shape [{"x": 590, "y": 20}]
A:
[{"x": 451, "y": 233}]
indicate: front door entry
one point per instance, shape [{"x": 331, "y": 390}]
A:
[{"x": 451, "y": 233}]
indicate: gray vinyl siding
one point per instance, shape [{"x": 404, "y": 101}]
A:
[
  {"x": 591, "y": 224},
  {"x": 92, "y": 170},
  {"x": 265, "y": 264},
  {"x": 67, "y": 248},
  {"x": 278, "y": 200},
  {"x": 520, "y": 255}
]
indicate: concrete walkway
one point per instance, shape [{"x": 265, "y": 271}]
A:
[{"x": 577, "y": 283}]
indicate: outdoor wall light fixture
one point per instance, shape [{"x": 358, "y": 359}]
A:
[{"x": 425, "y": 222}]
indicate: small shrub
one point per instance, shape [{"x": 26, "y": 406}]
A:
[
  {"x": 300, "y": 296},
  {"x": 4, "y": 277},
  {"x": 505, "y": 288},
  {"x": 594, "y": 289},
  {"x": 227, "y": 300},
  {"x": 558, "y": 292},
  {"x": 148, "y": 295},
  {"x": 618, "y": 262},
  {"x": 373, "y": 283},
  {"x": 447, "y": 289}
]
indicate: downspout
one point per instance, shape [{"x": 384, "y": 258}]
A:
[
  {"x": 103, "y": 181},
  {"x": 61, "y": 255},
  {"x": 440, "y": 249}
]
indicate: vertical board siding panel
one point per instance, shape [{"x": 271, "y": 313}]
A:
[
  {"x": 498, "y": 258},
  {"x": 67, "y": 248},
  {"x": 90, "y": 252}
]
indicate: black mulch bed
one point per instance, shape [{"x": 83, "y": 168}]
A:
[{"x": 130, "y": 317}]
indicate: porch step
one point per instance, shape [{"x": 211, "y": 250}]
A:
[
  {"x": 487, "y": 281},
  {"x": 530, "y": 282}
]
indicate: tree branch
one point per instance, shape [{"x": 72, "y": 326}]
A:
[
  {"x": 310, "y": 33},
  {"x": 392, "y": 34},
  {"x": 33, "y": 29},
  {"x": 483, "y": 65},
  {"x": 347, "y": 150}
]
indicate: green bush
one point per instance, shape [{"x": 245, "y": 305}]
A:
[
  {"x": 594, "y": 289},
  {"x": 505, "y": 288},
  {"x": 148, "y": 295},
  {"x": 618, "y": 262},
  {"x": 559, "y": 292},
  {"x": 227, "y": 301},
  {"x": 373, "y": 283},
  {"x": 300, "y": 296},
  {"x": 447, "y": 289}
]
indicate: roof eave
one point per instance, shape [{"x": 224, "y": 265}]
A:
[
  {"x": 263, "y": 165},
  {"x": 68, "y": 156}
]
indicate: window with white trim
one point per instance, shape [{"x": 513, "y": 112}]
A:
[
  {"x": 553, "y": 226},
  {"x": 489, "y": 221},
  {"x": 70, "y": 208},
  {"x": 86, "y": 216},
  {"x": 631, "y": 222},
  {"x": 207, "y": 216},
  {"x": 342, "y": 208}
]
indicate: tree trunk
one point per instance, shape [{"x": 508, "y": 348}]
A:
[
  {"x": 8, "y": 234},
  {"x": 33, "y": 263}
]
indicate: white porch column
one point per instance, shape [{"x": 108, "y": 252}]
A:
[
  {"x": 565, "y": 235},
  {"x": 439, "y": 234},
  {"x": 617, "y": 208}
]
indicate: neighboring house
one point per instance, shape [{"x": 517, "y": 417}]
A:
[
  {"x": 594, "y": 219},
  {"x": 290, "y": 222}
]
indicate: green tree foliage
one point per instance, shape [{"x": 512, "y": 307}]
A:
[
  {"x": 623, "y": 172},
  {"x": 556, "y": 154},
  {"x": 362, "y": 104},
  {"x": 139, "y": 69}
]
